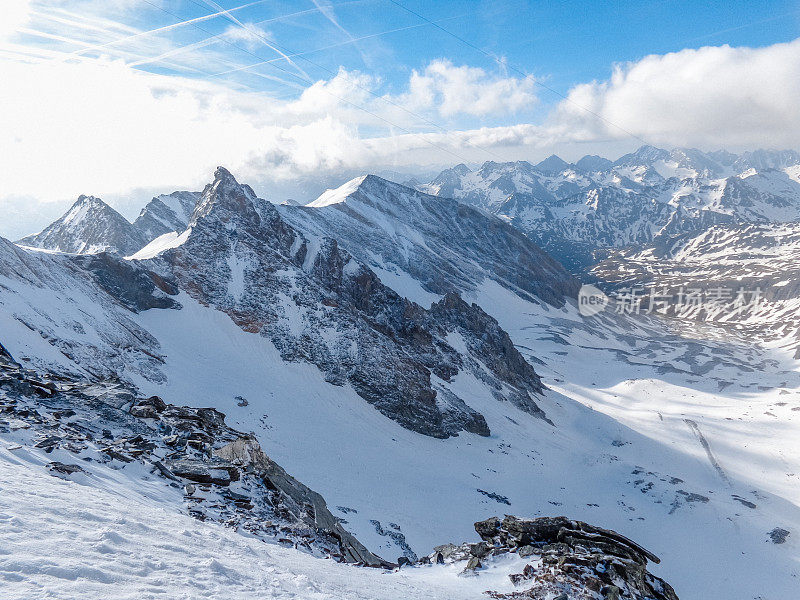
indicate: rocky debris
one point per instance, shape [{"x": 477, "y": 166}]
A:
[
  {"x": 225, "y": 474},
  {"x": 393, "y": 533},
  {"x": 496, "y": 497},
  {"x": 778, "y": 535},
  {"x": 743, "y": 501},
  {"x": 573, "y": 558},
  {"x": 218, "y": 472},
  {"x": 149, "y": 408},
  {"x": 693, "y": 497},
  {"x": 59, "y": 469}
]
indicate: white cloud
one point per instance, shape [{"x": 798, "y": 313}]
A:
[
  {"x": 100, "y": 126},
  {"x": 251, "y": 35},
  {"x": 15, "y": 14},
  {"x": 343, "y": 92},
  {"x": 103, "y": 127},
  {"x": 713, "y": 96},
  {"x": 453, "y": 90},
  {"x": 77, "y": 127}
]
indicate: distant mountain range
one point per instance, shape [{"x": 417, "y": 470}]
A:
[{"x": 578, "y": 211}]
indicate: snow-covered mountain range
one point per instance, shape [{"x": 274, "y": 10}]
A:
[
  {"x": 577, "y": 211},
  {"x": 91, "y": 226},
  {"x": 421, "y": 362}
]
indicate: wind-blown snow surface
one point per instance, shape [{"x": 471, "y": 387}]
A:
[
  {"x": 108, "y": 536},
  {"x": 639, "y": 468}
]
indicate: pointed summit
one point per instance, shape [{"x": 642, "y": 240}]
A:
[
  {"x": 552, "y": 164},
  {"x": 592, "y": 163},
  {"x": 338, "y": 195},
  {"x": 166, "y": 213},
  {"x": 226, "y": 197},
  {"x": 88, "y": 227},
  {"x": 370, "y": 190}
]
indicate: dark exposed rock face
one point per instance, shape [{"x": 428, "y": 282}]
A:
[
  {"x": 488, "y": 342},
  {"x": 566, "y": 558},
  {"x": 134, "y": 287},
  {"x": 106, "y": 422},
  {"x": 317, "y": 303}
]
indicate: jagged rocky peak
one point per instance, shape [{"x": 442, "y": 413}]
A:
[
  {"x": 166, "y": 213},
  {"x": 343, "y": 192},
  {"x": 460, "y": 170},
  {"x": 443, "y": 244},
  {"x": 446, "y": 183},
  {"x": 89, "y": 226},
  {"x": 645, "y": 155},
  {"x": 767, "y": 159},
  {"x": 226, "y": 195},
  {"x": 373, "y": 190},
  {"x": 317, "y": 303},
  {"x": 580, "y": 213}
]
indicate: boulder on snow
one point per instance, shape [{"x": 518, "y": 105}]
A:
[
  {"x": 591, "y": 562},
  {"x": 62, "y": 470},
  {"x": 215, "y": 470}
]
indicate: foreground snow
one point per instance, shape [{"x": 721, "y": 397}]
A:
[{"x": 103, "y": 538}]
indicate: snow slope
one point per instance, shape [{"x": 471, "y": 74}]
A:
[
  {"x": 106, "y": 537},
  {"x": 610, "y": 459}
]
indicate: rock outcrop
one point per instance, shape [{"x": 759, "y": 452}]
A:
[
  {"x": 566, "y": 559},
  {"x": 317, "y": 303},
  {"x": 187, "y": 447}
]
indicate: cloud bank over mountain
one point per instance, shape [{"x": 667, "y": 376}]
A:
[{"x": 93, "y": 120}]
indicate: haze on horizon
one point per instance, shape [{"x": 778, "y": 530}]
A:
[{"x": 129, "y": 98}]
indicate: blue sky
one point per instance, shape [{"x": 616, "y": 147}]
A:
[
  {"x": 566, "y": 42},
  {"x": 561, "y": 43},
  {"x": 123, "y": 98}
]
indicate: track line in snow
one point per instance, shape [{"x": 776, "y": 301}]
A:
[{"x": 704, "y": 443}]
